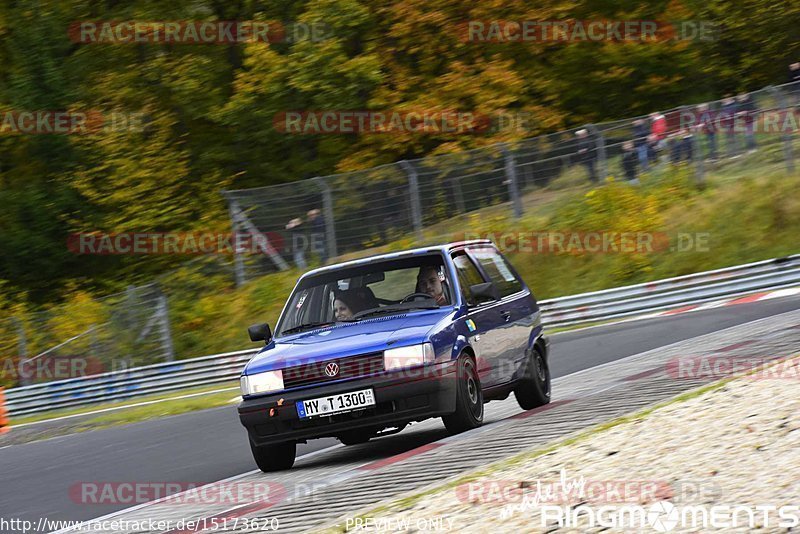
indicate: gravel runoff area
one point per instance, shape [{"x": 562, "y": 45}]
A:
[{"x": 694, "y": 464}]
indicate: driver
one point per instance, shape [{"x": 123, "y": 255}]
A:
[{"x": 431, "y": 280}]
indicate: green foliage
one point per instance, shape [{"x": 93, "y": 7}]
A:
[{"x": 209, "y": 111}]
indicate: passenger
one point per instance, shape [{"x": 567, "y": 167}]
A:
[
  {"x": 431, "y": 281},
  {"x": 345, "y": 305}
]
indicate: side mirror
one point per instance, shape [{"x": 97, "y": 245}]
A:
[
  {"x": 483, "y": 292},
  {"x": 260, "y": 332}
]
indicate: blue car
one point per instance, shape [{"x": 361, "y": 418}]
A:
[{"x": 364, "y": 348}]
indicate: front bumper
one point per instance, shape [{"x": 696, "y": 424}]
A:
[{"x": 401, "y": 396}]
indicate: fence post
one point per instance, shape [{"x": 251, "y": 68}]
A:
[
  {"x": 460, "y": 207},
  {"x": 600, "y": 143},
  {"x": 130, "y": 322},
  {"x": 413, "y": 191},
  {"x": 238, "y": 261},
  {"x": 23, "y": 351},
  {"x": 696, "y": 147},
  {"x": 511, "y": 177},
  {"x": 699, "y": 164},
  {"x": 164, "y": 326},
  {"x": 327, "y": 209},
  {"x": 787, "y": 139}
]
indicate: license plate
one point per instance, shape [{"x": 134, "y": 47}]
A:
[{"x": 332, "y": 404}]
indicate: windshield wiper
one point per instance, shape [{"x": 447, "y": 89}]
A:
[
  {"x": 394, "y": 308},
  {"x": 306, "y": 326}
]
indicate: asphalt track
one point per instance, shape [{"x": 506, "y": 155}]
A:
[{"x": 210, "y": 445}]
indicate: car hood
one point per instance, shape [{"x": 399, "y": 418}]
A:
[{"x": 347, "y": 339}]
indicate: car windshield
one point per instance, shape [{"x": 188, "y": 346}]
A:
[{"x": 377, "y": 288}]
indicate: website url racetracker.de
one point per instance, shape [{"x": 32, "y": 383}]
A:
[{"x": 260, "y": 524}]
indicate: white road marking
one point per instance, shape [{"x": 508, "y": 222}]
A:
[
  {"x": 176, "y": 495},
  {"x": 782, "y": 293},
  {"x": 115, "y": 408}
]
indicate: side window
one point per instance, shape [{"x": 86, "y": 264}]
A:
[
  {"x": 498, "y": 270},
  {"x": 468, "y": 275}
]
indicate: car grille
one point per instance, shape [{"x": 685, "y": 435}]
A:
[{"x": 350, "y": 367}]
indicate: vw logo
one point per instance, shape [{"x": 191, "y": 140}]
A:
[{"x": 332, "y": 369}]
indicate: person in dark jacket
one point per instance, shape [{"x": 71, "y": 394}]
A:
[
  {"x": 587, "y": 153},
  {"x": 317, "y": 228},
  {"x": 794, "y": 73},
  {"x": 707, "y": 125},
  {"x": 641, "y": 129},
  {"x": 630, "y": 160},
  {"x": 297, "y": 234},
  {"x": 726, "y": 120},
  {"x": 794, "y": 79}
]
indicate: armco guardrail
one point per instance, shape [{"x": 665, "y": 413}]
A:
[
  {"x": 564, "y": 311},
  {"x": 671, "y": 292},
  {"x": 121, "y": 385}
]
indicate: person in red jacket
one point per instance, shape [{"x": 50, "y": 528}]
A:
[{"x": 658, "y": 132}]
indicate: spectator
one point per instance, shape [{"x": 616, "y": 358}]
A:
[
  {"x": 318, "y": 242},
  {"x": 673, "y": 148},
  {"x": 705, "y": 124},
  {"x": 794, "y": 72},
  {"x": 685, "y": 145},
  {"x": 658, "y": 132},
  {"x": 746, "y": 112},
  {"x": 794, "y": 78},
  {"x": 587, "y": 153},
  {"x": 630, "y": 160},
  {"x": 727, "y": 114},
  {"x": 297, "y": 235},
  {"x": 640, "y": 131}
]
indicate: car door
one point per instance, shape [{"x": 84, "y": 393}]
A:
[
  {"x": 483, "y": 320},
  {"x": 515, "y": 309}
]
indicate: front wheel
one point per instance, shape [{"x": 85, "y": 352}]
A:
[
  {"x": 469, "y": 399},
  {"x": 533, "y": 389},
  {"x": 275, "y": 457}
]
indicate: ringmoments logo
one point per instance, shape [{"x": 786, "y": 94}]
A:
[{"x": 664, "y": 516}]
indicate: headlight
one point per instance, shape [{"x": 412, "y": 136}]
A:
[
  {"x": 410, "y": 356},
  {"x": 262, "y": 382}
]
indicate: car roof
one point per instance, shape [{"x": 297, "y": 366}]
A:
[{"x": 441, "y": 248}]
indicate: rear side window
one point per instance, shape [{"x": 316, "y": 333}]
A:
[
  {"x": 498, "y": 270},
  {"x": 468, "y": 275}
]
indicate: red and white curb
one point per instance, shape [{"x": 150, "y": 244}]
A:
[{"x": 755, "y": 297}]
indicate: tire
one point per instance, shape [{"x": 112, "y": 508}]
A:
[
  {"x": 276, "y": 457},
  {"x": 533, "y": 389},
  {"x": 469, "y": 399},
  {"x": 356, "y": 437}
]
